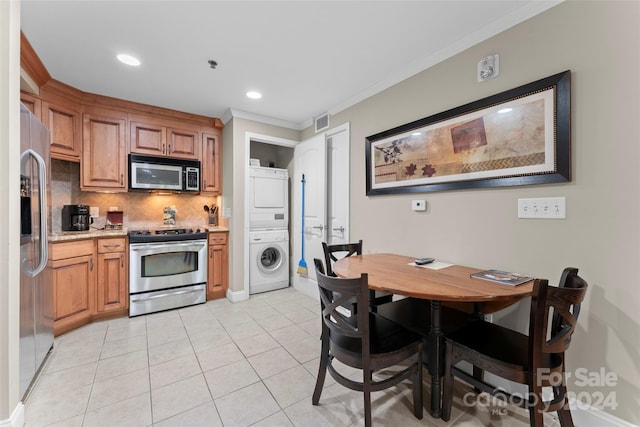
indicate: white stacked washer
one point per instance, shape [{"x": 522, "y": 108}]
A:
[{"x": 268, "y": 229}]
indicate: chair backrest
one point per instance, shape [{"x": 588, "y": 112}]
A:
[
  {"x": 334, "y": 292},
  {"x": 331, "y": 251},
  {"x": 564, "y": 301}
]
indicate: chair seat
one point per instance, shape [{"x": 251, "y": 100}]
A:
[
  {"x": 498, "y": 344},
  {"x": 385, "y": 337}
]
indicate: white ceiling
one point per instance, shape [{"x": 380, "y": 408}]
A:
[{"x": 306, "y": 57}]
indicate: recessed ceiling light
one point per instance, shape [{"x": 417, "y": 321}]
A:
[
  {"x": 128, "y": 59},
  {"x": 254, "y": 95},
  {"x": 504, "y": 110}
]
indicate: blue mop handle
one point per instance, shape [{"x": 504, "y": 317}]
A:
[{"x": 303, "y": 181}]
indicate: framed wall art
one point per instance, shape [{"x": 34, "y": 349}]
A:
[{"x": 518, "y": 137}]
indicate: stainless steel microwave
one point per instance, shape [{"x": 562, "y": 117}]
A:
[{"x": 163, "y": 173}]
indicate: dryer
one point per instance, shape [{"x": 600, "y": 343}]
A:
[
  {"x": 268, "y": 260},
  {"x": 268, "y": 198}
]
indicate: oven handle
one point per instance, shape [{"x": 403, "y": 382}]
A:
[
  {"x": 173, "y": 247},
  {"x": 168, "y": 294}
]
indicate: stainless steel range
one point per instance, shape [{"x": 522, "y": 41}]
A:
[{"x": 167, "y": 269}]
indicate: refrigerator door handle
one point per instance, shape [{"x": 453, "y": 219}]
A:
[{"x": 42, "y": 200}]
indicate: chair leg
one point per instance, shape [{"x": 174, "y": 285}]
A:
[
  {"x": 564, "y": 413},
  {"x": 536, "y": 413},
  {"x": 322, "y": 369},
  {"x": 478, "y": 374},
  {"x": 366, "y": 388},
  {"x": 447, "y": 392},
  {"x": 417, "y": 387}
]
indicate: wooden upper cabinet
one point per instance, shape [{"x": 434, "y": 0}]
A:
[
  {"x": 63, "y": 122},
  {"x": 104, "y": 152},
  {"x": 183, "y": 143},
  {"x": 32, "y": 103},
  {"x": 148, "y": 138},
  {"x": 158, "y": 140},
  {"x": 210, "y": 164}
]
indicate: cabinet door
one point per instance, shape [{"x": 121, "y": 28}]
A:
[
  {"x": 148, "y": 139},
  {"x": 218, "y": 271},
  {"x": 112, "y": 282},
  {"x": 183, "y": 143},
  {"x": 73, "y": 290},
  {"x": 210, "y": 164},
  {"x": 104, "y": 156},
  {"x": 32, "y": 103},
  {"x": 64, "y": 125}
]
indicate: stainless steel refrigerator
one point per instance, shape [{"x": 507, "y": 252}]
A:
[{"x": 36, "y": 285}]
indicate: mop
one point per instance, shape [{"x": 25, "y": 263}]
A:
[{"x": 302, "y": 265}]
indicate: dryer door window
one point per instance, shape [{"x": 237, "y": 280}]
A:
[{"x": 270, "y": 259}]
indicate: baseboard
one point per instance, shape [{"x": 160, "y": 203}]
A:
[
  {"x": 16, "y": 419},
  {"x": 593, "y": 417},
  {"x": 237, "y": 296}
]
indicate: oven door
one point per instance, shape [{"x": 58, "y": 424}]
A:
[{"x": 155, "y": 266}]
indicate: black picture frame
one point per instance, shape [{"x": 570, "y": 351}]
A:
[{"x": 474, "y": 132}]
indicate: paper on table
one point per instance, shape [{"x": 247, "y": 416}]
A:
[{"x": 435, "y": 265}]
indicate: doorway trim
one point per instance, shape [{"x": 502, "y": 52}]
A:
[{"x": 265, "y": 139}]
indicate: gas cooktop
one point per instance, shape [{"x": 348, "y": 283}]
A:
[{"x": 166, "y": 235}]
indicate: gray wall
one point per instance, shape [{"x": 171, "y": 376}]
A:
[{"x": 600, "y": 43}]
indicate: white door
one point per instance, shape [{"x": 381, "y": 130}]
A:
[
  {"x": 310, "y": 160},
  {"x": 338, "y": 186},
  {"x": 324, "y": 160}
]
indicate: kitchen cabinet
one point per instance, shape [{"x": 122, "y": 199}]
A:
[
  {"x": 218, "y": 265},
  {"x": 72, "y": 266},
  {"x": 64, "y": 123},
  {"x": 112, "y": 274},
  {"x": 104, "y": 151},
  {"x": 210, "y": 164},
  {"x": 32, "y": 103},
  {"x": 158, "y": 139}
]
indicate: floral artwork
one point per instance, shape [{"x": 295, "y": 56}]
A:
[{"x": 507, "y": 139}]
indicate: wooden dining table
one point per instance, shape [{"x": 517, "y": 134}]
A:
[{"x": 450, "y": 284}]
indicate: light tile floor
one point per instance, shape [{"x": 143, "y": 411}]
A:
[{"x": 251, "y": 363}]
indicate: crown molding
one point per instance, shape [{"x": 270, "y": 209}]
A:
[{"x": 233, "y": 113}]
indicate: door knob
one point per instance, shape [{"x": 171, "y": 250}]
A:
[{"x": 340, "y": 229}]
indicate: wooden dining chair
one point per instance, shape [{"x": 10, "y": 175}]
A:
[
  {"x": 537, "y": 360},
  {"x": 333, "y": 253},
  {"x": 364, "y": 341}
]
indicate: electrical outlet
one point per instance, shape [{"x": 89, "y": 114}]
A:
[
  {"x": 543, "y": 208},
  {"x": 419, "y": 205},
  {"x": 94, "y": 211}
]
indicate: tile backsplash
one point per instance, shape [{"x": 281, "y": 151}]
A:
[{"x": 140, "y": 209}]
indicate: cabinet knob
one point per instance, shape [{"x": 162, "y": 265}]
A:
[
  {"x": 163, "y": 149},
  {"x": 121, "y": 179},
  {"x": 91, "y": 264},
  {"x": 121, "y": 260}
]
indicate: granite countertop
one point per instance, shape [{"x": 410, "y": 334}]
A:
[{"x": 63, "y": 236}]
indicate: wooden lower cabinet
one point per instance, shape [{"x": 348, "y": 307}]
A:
[
  {"x": 73, "y": 267},
  {"x": 112, "y": 286},
  {"x": 218, "y": 265}
]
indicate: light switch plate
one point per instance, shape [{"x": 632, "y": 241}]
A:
[{"x": 543, "y": 208}]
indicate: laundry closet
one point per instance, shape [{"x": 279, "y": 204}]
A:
[{"x": 268, "y": 201}]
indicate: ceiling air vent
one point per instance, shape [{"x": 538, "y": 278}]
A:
[{"x": 321, "y": 122}]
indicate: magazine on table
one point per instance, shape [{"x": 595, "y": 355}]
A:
[{"x": 504, "y": 277}]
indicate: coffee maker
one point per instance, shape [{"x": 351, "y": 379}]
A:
[{"x": 75, "y": 218}]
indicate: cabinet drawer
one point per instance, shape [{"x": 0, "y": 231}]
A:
[
  {"x": 217, "y": 238},
  {"x": 117, "y": 244},
  {"x": 71, "y": 249}
]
